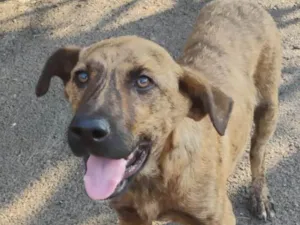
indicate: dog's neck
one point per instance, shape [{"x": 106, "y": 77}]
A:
[{"x": 178, "y": 151}]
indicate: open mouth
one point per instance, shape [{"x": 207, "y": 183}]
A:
[{"x": 106, "y": 178}]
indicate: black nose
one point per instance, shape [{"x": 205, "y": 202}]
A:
[
  {"x": 87, "y": 135},
  {"x": 98, "y": 136},
  {"x": 90, "y": 129}
]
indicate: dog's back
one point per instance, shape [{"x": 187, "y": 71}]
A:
[{"x": 228, "y": 40}]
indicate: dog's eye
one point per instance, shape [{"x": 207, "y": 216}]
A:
[
  {"x": 144, "y": 82},
  {"x": 82, "y": 77}
]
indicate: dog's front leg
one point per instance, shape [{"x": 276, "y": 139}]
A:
[
  {"x": 222, "y": 214},
  {"x": 122, "y": 222},
  {"x": 129, "y": 216}
]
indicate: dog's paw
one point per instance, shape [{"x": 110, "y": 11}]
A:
[
  {"x": 262, "y": 207},
  {"x": 261, "y": 202}
]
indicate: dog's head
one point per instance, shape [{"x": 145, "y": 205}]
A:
[{"x": 128, "y": 95}]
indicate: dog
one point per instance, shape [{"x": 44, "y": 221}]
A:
[{"x": 160, "y": 136}]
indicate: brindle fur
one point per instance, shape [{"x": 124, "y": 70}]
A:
[{"x": 229, "y": 72}]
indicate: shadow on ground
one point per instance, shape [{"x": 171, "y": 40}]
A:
[{"x": 33, "y": 140}]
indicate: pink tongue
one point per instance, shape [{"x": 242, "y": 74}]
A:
[{"x": 102, "y": 176}]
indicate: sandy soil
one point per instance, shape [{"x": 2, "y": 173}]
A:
[{"x": 40, "y": 181}]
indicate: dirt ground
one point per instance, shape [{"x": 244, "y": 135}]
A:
[{"x": 40, "y": 180}]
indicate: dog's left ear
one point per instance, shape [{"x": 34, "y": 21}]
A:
[
  {"x": 206, "y": 99},
  {"x": 60, "y": 64}
]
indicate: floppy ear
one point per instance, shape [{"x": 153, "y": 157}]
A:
[
  {"x": 206, "y": 99},
  {"x": 60, "y": 64}
]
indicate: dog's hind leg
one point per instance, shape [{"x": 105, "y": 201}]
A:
[{"x": 267, "y": 80}]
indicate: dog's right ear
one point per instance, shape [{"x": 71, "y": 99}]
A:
[{"x": 60, "y": 64}]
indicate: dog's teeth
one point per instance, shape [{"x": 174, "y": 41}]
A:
[{"x": 130, "y": 156}]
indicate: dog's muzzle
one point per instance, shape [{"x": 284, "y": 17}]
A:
[{"x": 110, "y": 165}]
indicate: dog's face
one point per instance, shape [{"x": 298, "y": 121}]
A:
[{"x": 128, "y": 95}]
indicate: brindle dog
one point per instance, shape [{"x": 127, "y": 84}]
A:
[{"x": 161, "y": 137}]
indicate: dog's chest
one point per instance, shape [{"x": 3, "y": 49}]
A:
[{"x": 158, "y": 203}]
